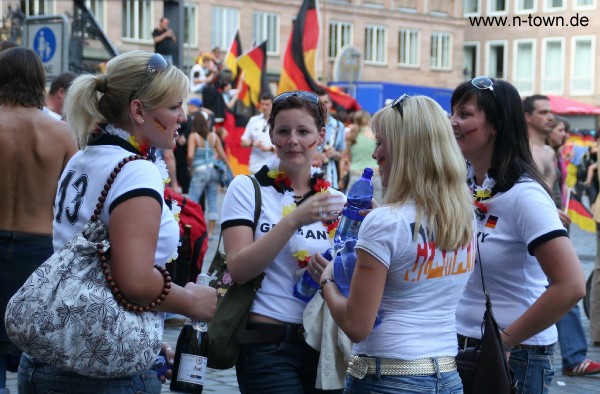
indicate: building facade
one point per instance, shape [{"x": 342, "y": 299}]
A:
[
  {"x": 401, "y": 41},
  {"x": 541, "y": 46}
]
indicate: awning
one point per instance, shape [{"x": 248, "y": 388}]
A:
[{"x": 564, "y": 106}]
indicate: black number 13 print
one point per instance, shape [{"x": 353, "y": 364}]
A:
[{"x": 72, "y": 210}]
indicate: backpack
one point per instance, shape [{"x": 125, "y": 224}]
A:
[{"x": 193, "y": 237}]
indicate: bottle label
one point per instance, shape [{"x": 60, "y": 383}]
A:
[{"x": 192, "y": 369}]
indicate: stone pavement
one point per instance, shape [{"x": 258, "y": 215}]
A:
[{"x": 224, "y": 382}]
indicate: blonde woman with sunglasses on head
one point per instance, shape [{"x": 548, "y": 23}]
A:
[
  {"x": 415, "y": 254},
  {"x": 129, "y": 110},
  {"x": 523, "y": 245}
]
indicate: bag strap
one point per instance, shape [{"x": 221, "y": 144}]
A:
[
  {"x": 488, "y": 302},
  {"x": 103, "y": 255},
  {"x": 257, "y": 207}
]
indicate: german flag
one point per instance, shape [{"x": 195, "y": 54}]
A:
[
  {"x": 492, "y": 221},
  {"x": 235, "y": 50},
  {"x": 253, "y": 65},
  {"x": 579, "y": 214},
  {"x": 298, "y": 71}
]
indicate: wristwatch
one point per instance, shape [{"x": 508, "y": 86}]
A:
[{"x": 323, "y": 283}]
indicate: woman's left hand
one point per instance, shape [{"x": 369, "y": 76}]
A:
[
  {"x": 316, "y": 266},
  {"x": 169, "y": 355}
]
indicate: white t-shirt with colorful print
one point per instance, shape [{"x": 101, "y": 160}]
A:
[{"x": 422, "y": 288}]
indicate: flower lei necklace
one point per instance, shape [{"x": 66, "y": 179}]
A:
[
  {"x": 283, "y": 184},
  {"x": 480, "y": 193},
  {"x": 146, "y": 150}
]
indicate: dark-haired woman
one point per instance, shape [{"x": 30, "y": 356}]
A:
[
  {"x": 522, "y": 242},
  {"x": 203, "y": 148}
]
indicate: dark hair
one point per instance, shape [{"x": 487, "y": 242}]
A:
[
  {"x": 321, "y": 92},
  {"x": 7, "y": 45},
  {"x": 266, "y": 96},
  {"x": 528, "y": 102},
  {"x": 511, "y": 157},
  {"x": 63, "y": 81},
  {"x": 297, "y": 102},
  {"x": 199, "y": 124},
  {"x": 561, "y": 119},
  {"x": 22, "y": 78}
]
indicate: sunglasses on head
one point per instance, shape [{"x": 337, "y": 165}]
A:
[
  {"x": 156, "y": 63},
  {"x": 398, "y": 104},
  {"x": 306, "y": 96},
  {"x": 483, "y": 83}
]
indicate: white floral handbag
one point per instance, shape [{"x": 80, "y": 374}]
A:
[{"x": 71, "y": 315}]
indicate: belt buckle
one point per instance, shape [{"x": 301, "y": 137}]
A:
[{"x": 357, "y": 367}]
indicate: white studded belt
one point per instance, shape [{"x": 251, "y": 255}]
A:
[{"x": 360, "y": 366}]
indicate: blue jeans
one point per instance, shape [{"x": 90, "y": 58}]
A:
[
  {"x": 445, "y": 382},
  {"x": 289, "y": 368},
  {"x": 205, "y": 178},
  {"x": 20, "y": 255},
  {"x": 571, "y": 338},
  {"x": 38, "y": 377},
  {"x": 533, "y": 369}
]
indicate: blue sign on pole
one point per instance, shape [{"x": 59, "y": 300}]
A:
[{"x": 44, "y": 44}]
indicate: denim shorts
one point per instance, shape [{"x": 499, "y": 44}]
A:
[
  {"x": 440, "y": 382},
  {"x": 38, "y": 377},
  {"x": 533, "y": 369},
  {"x": 289, "y": 368}
]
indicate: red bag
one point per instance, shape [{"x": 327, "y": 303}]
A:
[{"x": 194, "y": 239}]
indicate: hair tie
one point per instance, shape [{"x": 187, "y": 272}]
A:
[{"x": 101, "y": 87}]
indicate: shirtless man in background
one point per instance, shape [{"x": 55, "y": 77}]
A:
[
  {"x": 540, "y": 122},
  {"x": 571, "y": 335},
  {"x": 34, "y": 149}
]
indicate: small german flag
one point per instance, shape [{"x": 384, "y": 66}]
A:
[
  {"x": 491, "y": 222},
  {"x": 579, "y": 214}
]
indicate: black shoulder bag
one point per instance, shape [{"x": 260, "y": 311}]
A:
[{"x": 484, "y": 368}]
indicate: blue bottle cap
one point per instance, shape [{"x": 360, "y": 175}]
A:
[{"x": 367, "y": 173}]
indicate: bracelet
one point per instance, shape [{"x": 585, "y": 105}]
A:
[{"x": 323, "y": 283}]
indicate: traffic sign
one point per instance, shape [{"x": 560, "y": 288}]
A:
[{"x": 47, "y": 35}]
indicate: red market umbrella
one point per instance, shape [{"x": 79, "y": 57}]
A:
[{"x": 564, "y": 106}]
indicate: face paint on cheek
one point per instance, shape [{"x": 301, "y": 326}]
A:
[
  {"x": 312, "y": 145},
  {"x": 161, "y": 126},
  {"x": 277, "y": 145}
]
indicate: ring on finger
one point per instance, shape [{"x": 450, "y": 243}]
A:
[{"x": 320, "y": 211}]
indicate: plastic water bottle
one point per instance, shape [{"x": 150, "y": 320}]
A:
[
  {"x": 306, "y": 287},
  {"x": 349, "y": 259},
  {"x": 360, "y": 195}
]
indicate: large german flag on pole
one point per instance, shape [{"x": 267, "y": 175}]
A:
[
  {"x": 579, "y": 214},
  {"x": 298, "y": 71},
  {"x": 253, "y": 65},
  {"x": 235, "y": 50}
]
